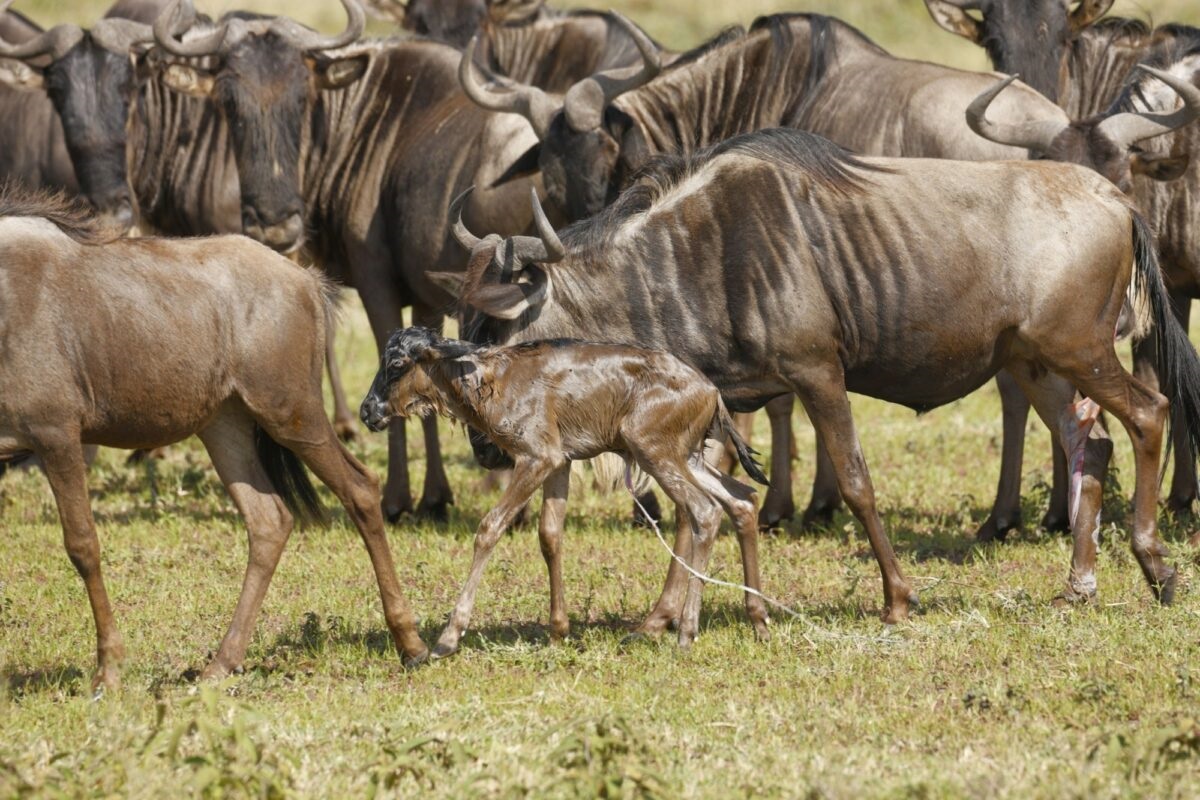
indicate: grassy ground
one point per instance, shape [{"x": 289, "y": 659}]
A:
[{"x": 989, "y": 691}]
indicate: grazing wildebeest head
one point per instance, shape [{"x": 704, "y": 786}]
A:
[
  {"x": 1026, "y": 36},
  {"x": 455, "y": 21},
  {"x": 1106, "y": 143},
  {"x": 91, "y": 78},
  {"x": 262, "y": 74},
  {"x": 582, "y": 135}
]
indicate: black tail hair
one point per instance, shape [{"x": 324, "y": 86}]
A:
[
  {"x": 745, "y": 452},
  {"x": 1177, "y": 358},
  {"x": 290, "y": 479}
]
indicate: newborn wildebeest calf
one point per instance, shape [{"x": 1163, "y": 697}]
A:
[
  {"x": 546, "y": 403},
  {"x": 139, "y": 343}
]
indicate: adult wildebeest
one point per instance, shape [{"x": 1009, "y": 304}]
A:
[
  {"x": 799, "y": 70},
  {"x": 546, "y": 403},
  {"x": 371, "y": 168},
  {"x": 229, "y": 340},
  {"x": 911, "y": 280},
  {"x": 1089, "y": 72}
]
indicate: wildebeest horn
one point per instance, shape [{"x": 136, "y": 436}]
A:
[
  {"x": 118, "y": 35},
  {"x": 56, "y": 41},
  {"x": 1032, "y": 135},
  {"x": 585, "y": 101},
  {"x": 175, "y": 20},
  {"x": 546, "y": 248},
  {"x": 528, "y": 101},
  {"x": 1126, "y": 128},
  {"x": 464, "y": 237},
  {"x": 309, "y": 40}
]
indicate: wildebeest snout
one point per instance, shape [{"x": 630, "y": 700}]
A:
[{"x": 285, "y": 236}]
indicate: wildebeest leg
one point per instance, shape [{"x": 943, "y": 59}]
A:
[
  {"x": 779, "y": 504},
  {"x": 1054, "y": 399},
  {"x": 436, "y": 495},
  {"x": 65, "y": 468},
  {"x": 670, "y": 602},
  {"x": 1142, "y": 411},
  {"x": 526, "y": 477},
  {"x": 825, "y": 496},
  {"x": 229, "y": 440},
  {"x": 344, "y": 421},
  {"x": 738, "y": 501},
  {"x": 384, "y": 308},
  {"x": 1183, "y": 478},
  {"x": 314, "y": 442},
  {"x": 824, "y": 396},
  {"x": 1006, "y": 510},
  {"x": 550, "y": 535}
]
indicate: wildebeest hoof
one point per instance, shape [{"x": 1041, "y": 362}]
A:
[
  {"x": 1165, "y": 589},
  {"x": 686, "y": 640},
  {"x": 773, "y": 514},
  {"x": 653, "y": 514},
  {"x": 635, "y": 638},
  {"x": 346, "y": 430},
  {"x": 443, "y": 650},
  {"x": 817, "y": 517},
  {"x": 1073, "y": 599},
  {"x": 393, "y": 514},
  {"x": 435, "y": 510},
  {"x": 1056, "y": 522},
  {"x": 417, "y": 661},
  {"x": 996, "y": 531},
  {"x": 1180, "y": 505},
  {"x": 761, "y": 632}
]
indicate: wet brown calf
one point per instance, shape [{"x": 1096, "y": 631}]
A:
[
  {"x": 547, "y": 403},
  {"x": 141, "y": 343}
]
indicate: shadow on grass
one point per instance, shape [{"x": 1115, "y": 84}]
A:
[{"x": 22, "y": 683}]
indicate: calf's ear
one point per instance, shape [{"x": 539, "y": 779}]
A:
[
  {"x": 338, "y": 73},
  {"x": 20, "y": 76},
  {"x": 189, "y": 80},
  {"x": 955, "y": 20},
  {"x": 1159, "y": 168}
]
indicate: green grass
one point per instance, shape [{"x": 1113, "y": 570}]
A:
[{"x": 988, "y": 692}]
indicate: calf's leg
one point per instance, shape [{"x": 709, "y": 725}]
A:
[
  {"x": 550, "y": 535},
  {"x": 526, "y": 477},
  {"x": 67, "y": 472},
  {"x": 670, "y": 602}
]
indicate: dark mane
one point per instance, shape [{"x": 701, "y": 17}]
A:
[
  {"x": 780, "y": 22},
  {"x": 730, "y": 34},
  {"x": 69, "y": 215},
  {"x": 826, "y": 164},
  {"x": 1173, "y": 43}
]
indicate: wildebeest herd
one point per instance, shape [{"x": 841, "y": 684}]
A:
[{"x": 789, "y": 211}]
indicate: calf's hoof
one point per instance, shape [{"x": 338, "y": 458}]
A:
[
  {"x": 1164, "y": 589},
  {"x": 106, "y": 681},
  {"x": 761, "y": 630},
  {"x": 416, "y": 661},
  {"x": 898, "y": 610}
]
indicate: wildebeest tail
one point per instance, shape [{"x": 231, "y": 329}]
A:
[
  {"x": 745, "y": 452},
  {"x": 289, "y": 478},
  {"x": 1178, "y": 362}
]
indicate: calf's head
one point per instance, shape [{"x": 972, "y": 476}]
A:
[
  {"x": 402, "y": 387},
  {"x": 1031, "y": 37},
  {"x": 91, "y": 77},
  {"x": 586, "y": 145},
  {"x": 1107, "y": 143},
  {"x": 263, "y": 74}
]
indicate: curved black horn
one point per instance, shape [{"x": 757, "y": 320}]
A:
[
  {"x": 528, "y": 101},
  {"x": 175, "y": 20},
  {"x": 585, "y": 101},
  {"x": 546, "y": 248},
  {"x": 463, "y": 236},
  {"x": 1032, "y": 135},
  {"x": 309, "y": 40},
  {"x": 1126, "y": 128}
]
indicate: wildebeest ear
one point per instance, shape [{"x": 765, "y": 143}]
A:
[
  {"x": 20, "y": 76},
  {"x": 338, "y": 73},
  {"x": 510, "y": 300},
  {"x": 634, "y": 152},
  {"x": 450, "y": 282},
  {"x": 1159, "y": 168},
  {"x": 186, "y": 79},
  {"x": 528, "y": 164},
  {"x": 955, "y": 20}
]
